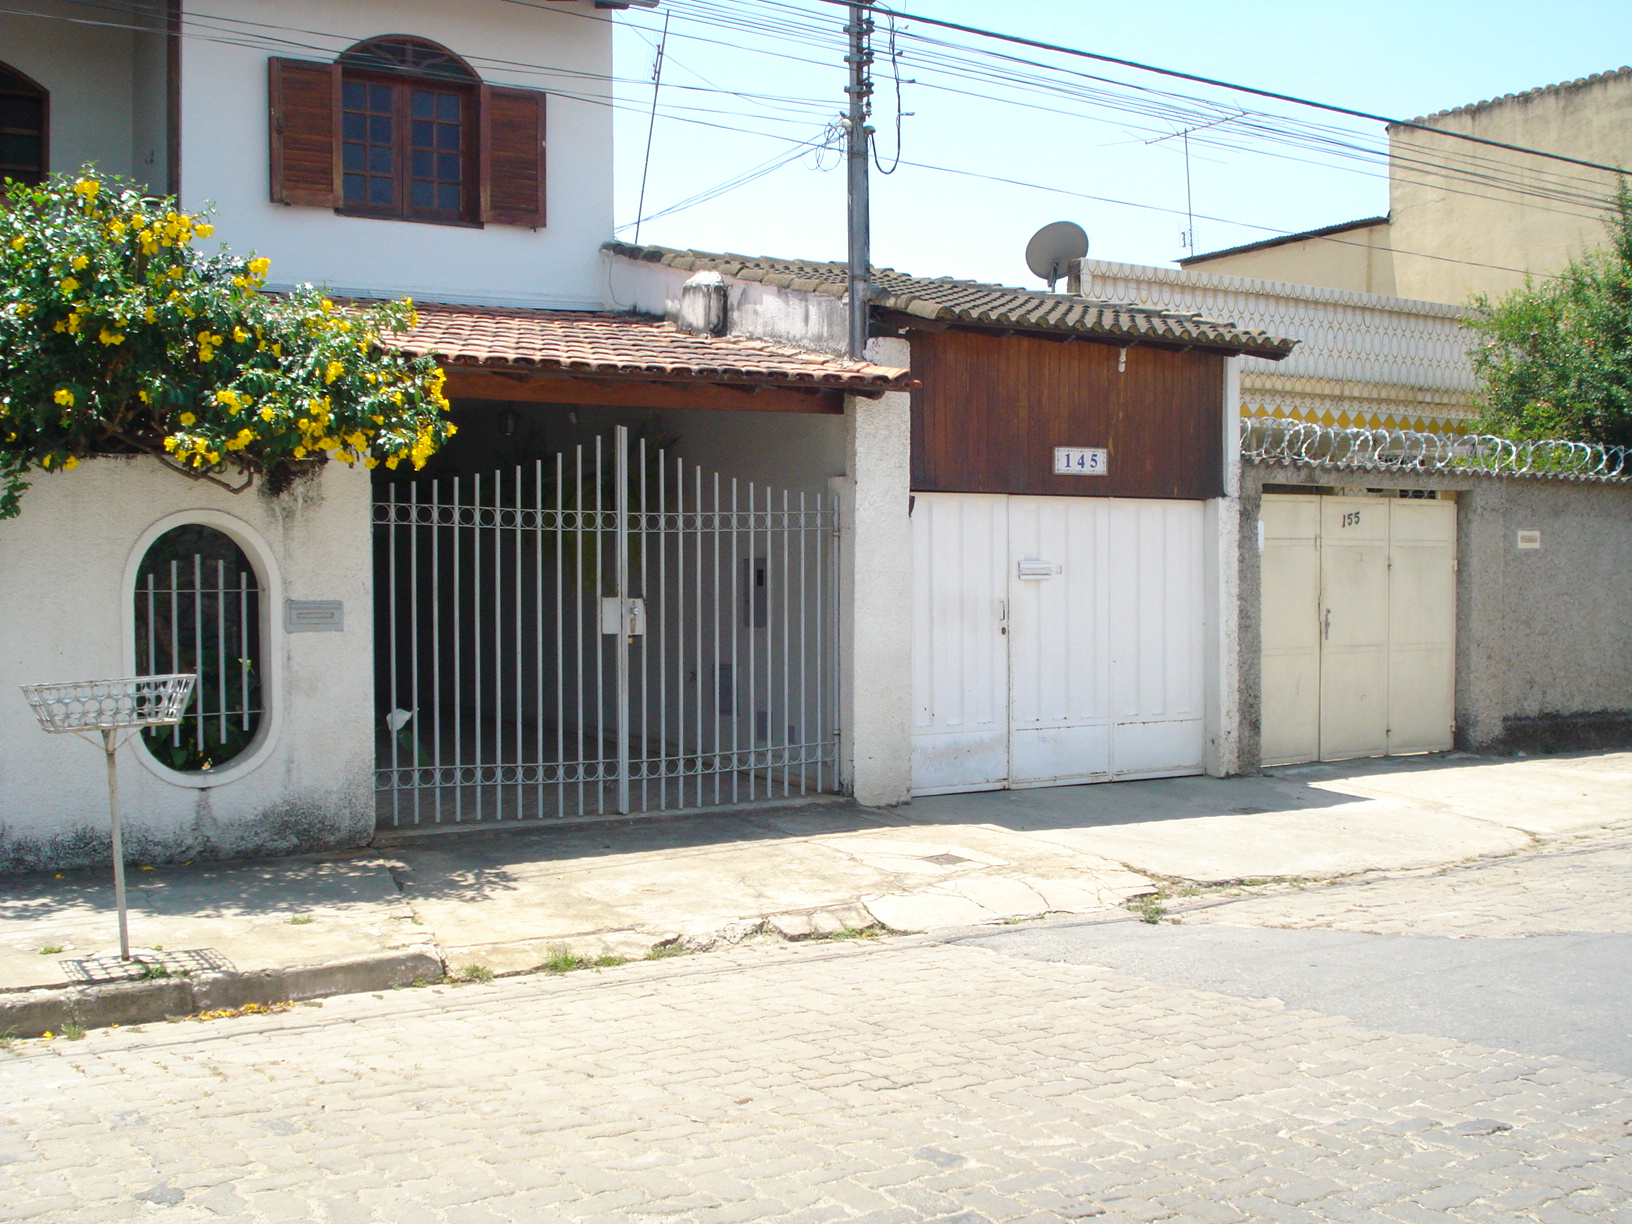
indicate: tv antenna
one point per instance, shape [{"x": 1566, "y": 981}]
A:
[
  {"x": 1189, "y": 235},
  {"x": 1052, "y": 248}
]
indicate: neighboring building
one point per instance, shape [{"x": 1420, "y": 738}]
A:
[
  {"x": 1469, "y": 218},
  {"x": 1363, "y": 359}
]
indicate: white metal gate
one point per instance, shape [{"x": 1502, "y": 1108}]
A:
[
  {"x": 606, "y": 631},
  {"x": 1055, "y": 640},
  {"x": 1359, "y": 627}
]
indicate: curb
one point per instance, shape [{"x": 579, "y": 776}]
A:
[{"x": 30, "y": 1013}]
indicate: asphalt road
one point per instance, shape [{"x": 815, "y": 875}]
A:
[{"x": 1568, "y": 995}]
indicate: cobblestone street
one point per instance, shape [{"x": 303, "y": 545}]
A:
[{"x": 892, "y": 1080}]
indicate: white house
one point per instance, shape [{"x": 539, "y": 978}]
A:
[{"x": 680, "y": 554}]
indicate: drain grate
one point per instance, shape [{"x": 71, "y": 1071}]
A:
[{"x": 946, "y": 860}]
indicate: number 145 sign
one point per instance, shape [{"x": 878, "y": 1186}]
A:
[{"x": 1080, "y": 461}]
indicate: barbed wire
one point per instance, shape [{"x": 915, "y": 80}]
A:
[{"x": 1276, "y": 440}]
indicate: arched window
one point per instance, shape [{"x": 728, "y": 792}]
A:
[
  {"x": 407, "y": 131},
  {"x": 198, "y": 609},
  {"x": 24, "y": 107}
]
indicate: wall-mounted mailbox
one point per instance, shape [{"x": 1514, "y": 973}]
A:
[
  {"x": 1032, "y": 571},
  {"x": 314, "y": 616}
]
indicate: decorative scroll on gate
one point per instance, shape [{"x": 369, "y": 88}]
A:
[{"x": 607, "y": 631}]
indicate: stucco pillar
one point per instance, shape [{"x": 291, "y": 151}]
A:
[
  {"x": 875, "y": 593},
  {"x": 1223, "y": 655}
]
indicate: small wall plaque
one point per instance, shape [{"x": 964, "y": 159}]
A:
[
  {"x": 1529, "y": 539},
  {"x": 1081, "y": 461},
  {"x": 313, "y": 616}
]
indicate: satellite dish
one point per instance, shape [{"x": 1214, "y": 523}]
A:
[{"x": 1052, "y": 248}]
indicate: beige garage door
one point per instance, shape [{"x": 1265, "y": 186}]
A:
[{"x": 1359, "y": 624}]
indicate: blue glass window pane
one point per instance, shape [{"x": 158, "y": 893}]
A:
[
  {"x": 379, "y": 191},
  {"x": 422, "y": 195},
  {"x": 354, "y": 127},
  {"x": 379, "y": 97},
  {"x": 447, "y": 108},
  {"x": 379, "y": 160},
  {"x": 352, "y": 158},
  {"x": 447, "y": 167},
  {"x": 424, "y": 104},
  {"x": 447, "y": 196},
  {"x": 354, "y": 95},
  {"x": 447, "y": 136},
  {"x": 422, "y": 134},
  {"x": 379, "y": 129},
  {"x": 356, "y": 189},
  {"x": 423, "y": 163}
]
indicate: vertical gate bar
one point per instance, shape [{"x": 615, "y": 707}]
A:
[
  {"x": 830, "y": 655},
  {"x": 748, "y": 615},
  {"x": 645, "y": 653},
  {"x": 246, "y": 588},
  {"x": 662, "y": 597},
  {"x": 493, "y": 670},
  {"x": 703, "y": 683},
  {"x": 152, "y": 629},
  {"x": 560, "y": 638},
  {"x": 620, "y": 477},
  {"x": 437, "y": 686},
  {"x": 198, "y": 646},
  {"x": 787, "y": 653},
  {"x": 582, "y": 652},
  {"x": 175, "y": 639},
  {"x": 538, "y": 627},
  {"x": 221, "y": 643},
  {"x": 730, "y": 618},
  {"x": 392, "y": 586},
  {"x": 416, "y": 709},
  {"x": 819, "y": 623},
  {"x": 804, "y": 628},
  {"x": 600, "y": 638},
  {"x": 516, "y": 698},
  {"x": 477, "y": 709},
  {"x": 458, "y": 661},
  {"x": 718, "y": 729}
]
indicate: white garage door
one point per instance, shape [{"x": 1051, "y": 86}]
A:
[
  {"x": 1359, "y": 624},
  {"x": 1056, "y": 640}
]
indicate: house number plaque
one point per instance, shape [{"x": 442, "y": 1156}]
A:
[{"x": 1080, "y": 461}]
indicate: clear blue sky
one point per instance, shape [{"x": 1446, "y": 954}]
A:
[{"x": 1388, "y": 57}]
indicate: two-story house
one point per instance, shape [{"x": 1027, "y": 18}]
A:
[{"x": 680, "y": 554}]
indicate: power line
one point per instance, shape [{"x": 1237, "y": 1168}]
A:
[{"x": 1246, "y": 89}]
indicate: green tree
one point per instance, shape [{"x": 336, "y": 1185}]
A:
[
  {"x": 119, "y": 336},
  {"x": 1557, "y": 355}
]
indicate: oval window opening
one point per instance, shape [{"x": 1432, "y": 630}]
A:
[{"x": 198, "y": 609}]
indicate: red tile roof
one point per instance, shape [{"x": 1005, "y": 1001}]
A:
[
  {"x": 976, "y": 304},
  {"x": 625, "y": 346}
]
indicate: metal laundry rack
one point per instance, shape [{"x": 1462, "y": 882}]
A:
[{"x": 127, "y": 704}]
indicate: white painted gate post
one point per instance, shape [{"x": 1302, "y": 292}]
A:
[{"x": 875, "y": 592}]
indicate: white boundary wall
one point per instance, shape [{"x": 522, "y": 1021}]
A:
[{"x": 67, "y": 569}]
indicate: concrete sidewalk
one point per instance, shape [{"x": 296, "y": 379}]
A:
[{"x": 224, "y": 934}]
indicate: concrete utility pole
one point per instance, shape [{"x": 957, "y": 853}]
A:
[{"x": 859, "y": 149}]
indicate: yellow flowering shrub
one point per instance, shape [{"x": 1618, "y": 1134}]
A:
[{"x": 118, "y": 335}]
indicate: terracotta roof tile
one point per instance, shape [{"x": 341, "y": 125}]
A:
[
  {"x": 973, "y": 303},
  {"x": 621, "y": 345}
]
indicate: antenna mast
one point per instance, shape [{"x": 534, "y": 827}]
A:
[{"x": 858, "y": 149}]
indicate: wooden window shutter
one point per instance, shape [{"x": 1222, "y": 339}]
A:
[
  {"x": 512, "y": 156},
  {"x": 305, "y": 133}
]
